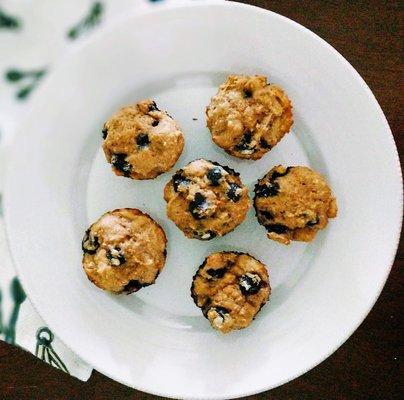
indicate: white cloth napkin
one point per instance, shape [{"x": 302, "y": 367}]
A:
[{"x": 33, "y": 35}]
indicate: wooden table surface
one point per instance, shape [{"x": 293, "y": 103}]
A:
[{"x": 367, "y": 366}]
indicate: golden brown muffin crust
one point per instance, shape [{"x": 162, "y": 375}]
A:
[
  {"x": 248, "y": 116},
  {"x": 293, "y": 203},
  {"x": 142, "y": 142},
  {"x": 124, "y": 250},
  {"x": 205, "y": 199},
  {"x": 230, "y": 288}
]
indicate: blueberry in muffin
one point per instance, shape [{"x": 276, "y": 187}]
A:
[
  {"x": 124, "y": 250},
  {"x": 248, "y": 116},
  {"x": 293, "y": 203},
  {"x": 230, "y": 288},
  {"x": 142, "y": 142},
  {"x": 206, "y": 200}
]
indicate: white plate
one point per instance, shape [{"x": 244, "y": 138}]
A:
[{"x": 58, "y": 182}]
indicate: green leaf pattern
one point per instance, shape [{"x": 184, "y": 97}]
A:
[
  {"x": 18, "y": 296},
  {"x": 8, "y": 21},
  {"x": 89, "y": 21},
  {"x": 25, "y": 82},
  {"x": 28, "y": 80}
]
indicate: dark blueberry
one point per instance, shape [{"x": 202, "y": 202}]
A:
[
  {"x": 116, "y": 257},
  {"x": 277, "y": 174},
  {"x": 232, "y": 192},
  {"x": 267, "y": 215},
  {"x": 142, "y": 140},
  {"x": 90, "y": 243},
  {"x": 247, "y": 137},
  {"x": 276, "y": 228},
  {"x": 153, "y": 106},
  {"x": 249, "y": 283},
  {"x": 179, "y": 179},
  {"x": 155, "y": 122},
  {"x": 119, "y": 162},
  {"x": 264, "y": 217},
  {"x": 244, "y": 143},
  {"x": 313, "y": 223},
  {"x": 132, "y": 286},
  {"x": 198, "y": 205},
  {"x": 221, "y": 311},
  {"x": 267, "y": 190},
  {"x": 204, "y": 235},
  {"x": 165, "y": 253},
  {"x": 104, "y": 133},
  {"x": 216, "y": 273},
  {"x": 264, "y": 144},
  {"x": 229, "y": 170},
  {"x": 214, "y": 175},
  {"x": 205, "y": 307},
  {"x": 209, "y": 235},
  {"x": 247, "y": 93}
]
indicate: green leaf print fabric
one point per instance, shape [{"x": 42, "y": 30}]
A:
[{"x": 30, "y": 44}]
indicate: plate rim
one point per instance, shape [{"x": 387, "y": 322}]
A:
[{"x": 206, "y": 4}]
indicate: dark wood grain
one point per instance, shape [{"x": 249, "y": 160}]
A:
[{"x": 368, "y": 365}]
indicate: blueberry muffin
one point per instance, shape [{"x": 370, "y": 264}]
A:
[
  {"x": 293, "y": 203},
  {"x": 248, "y": 116},
  {"x": 205, "y": 199},
  {"x": 142, "y": 142},
  {"x": 124, "y": 251},
  {"x": 230, "y": 288}
]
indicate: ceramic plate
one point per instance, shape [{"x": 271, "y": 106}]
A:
[{"x": 58, "y": 183}]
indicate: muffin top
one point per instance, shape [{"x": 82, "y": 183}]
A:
[
  {"x": 124, "y": 250},
  {"x": 230, "y": 288},
  {"x": 142, "y": 142},
  {"x": 205, "y": 199},
  {"x": 293, "y": 203},
  {"x": 248, "y": 116}
]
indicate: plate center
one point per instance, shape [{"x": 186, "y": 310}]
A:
[{"x": 185, "y": 98}]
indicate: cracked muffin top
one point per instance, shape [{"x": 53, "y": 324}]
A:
[
  {"x": 230, "y": 288},
  {"x": 205, "y": 199},
  {"x": 142, "y": 142},
  {"x": 248, "y": 116},
  {"x": 293, "y": 203},
  {"x": 124, "y": 250}
]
